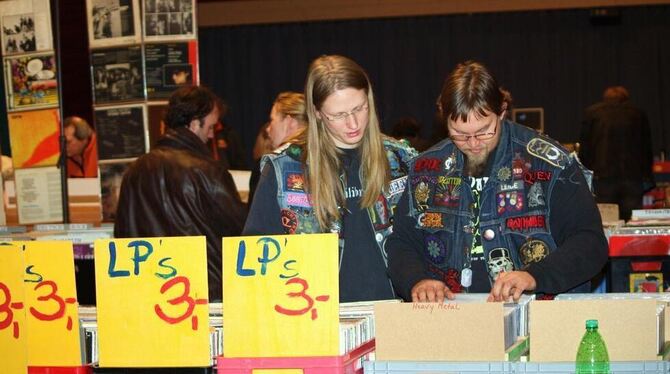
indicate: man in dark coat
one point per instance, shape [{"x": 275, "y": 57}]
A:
[
  {"x": 178, "y": 189},
  {"x": 616, "y": 144}
]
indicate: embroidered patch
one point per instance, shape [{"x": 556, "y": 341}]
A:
[
  {"x": 548, "y": 152},
  {"x": 449, "y": 162},
  {"x": 289, "y": 220},
  {"x": 379, "y": 214},
  {"x": 421, "y": 195},
  {"x": 297, "y": 199},
  {"x": 531, "y": 177},
  {"x": 435, "y": 248},
  {"x": 451, "y": 277},
  {"x": 397, "y": 186},
  {"x": 536, "y": 196},
  {"x": 526, "y": 223},
  {"x": 294, "y": 182},
  {"x": 306, "y": 220},
  {"x": 504, "y": 174},
  {"x": 534, "y": 250},
  {"x": 499, "y": 260},
  {"x": 519, "y": 166},
  {"x": 447, "y": 192},
  {"x": 514, "y": 186},
  {"x": 509, "y": 201},
  {"x": 427, "y": 164},
  {"x": 431, "y": 220}
]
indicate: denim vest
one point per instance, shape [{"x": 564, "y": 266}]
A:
[
  {"x": 296, "y": 210},
  {"x": 514, "y": 219}
]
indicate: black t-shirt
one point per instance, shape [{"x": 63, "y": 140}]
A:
[
  {"x": 363, "y": 273},
  {"x": 478, "y": 265}
]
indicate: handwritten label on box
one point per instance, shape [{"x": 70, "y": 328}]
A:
[
  {"x": 152, "y": 302},
  {"x": 281, "y": 296}
]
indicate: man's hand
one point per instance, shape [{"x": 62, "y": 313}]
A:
[
  {"x": 431, "y": 291},
  {"x": 511, "y": 284}
]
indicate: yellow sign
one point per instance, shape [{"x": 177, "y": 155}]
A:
[
  {"x": 51, "y": 304},
  {"x": 152, "y": 302},
  {"x": 13, "y": 342},
  {"x": 281, "y": 296}
]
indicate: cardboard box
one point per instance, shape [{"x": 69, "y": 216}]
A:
[
  {"x": 440, "y": 332},
  {"x": 629, "y": 328}
]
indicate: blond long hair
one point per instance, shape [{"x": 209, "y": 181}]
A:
[{"x": 326, "y": 75}]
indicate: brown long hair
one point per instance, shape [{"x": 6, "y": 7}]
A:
[{"x": 326, "y": 75}]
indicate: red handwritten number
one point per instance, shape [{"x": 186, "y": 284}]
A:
[
  {"x": 183, "y": 298},
  {"x": 302, "y": 293},
  {"x": 5, "y": 309},
  {"x": 60, "y": 312}
]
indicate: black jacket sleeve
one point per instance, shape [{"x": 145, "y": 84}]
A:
[
  {"x": 264, "y": 215},
  {"x": 577, "y": 230},
  {"x": 407, "y": 265}
]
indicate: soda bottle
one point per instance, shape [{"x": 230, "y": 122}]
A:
[{"x": 592, "y": 357}]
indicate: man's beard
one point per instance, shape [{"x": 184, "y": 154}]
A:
[{"x": 475, "y": 165}]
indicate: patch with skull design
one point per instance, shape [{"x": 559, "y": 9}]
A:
[{"x": 499, "y": 260}]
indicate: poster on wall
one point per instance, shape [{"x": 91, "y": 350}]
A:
[
  {"x": 33, "y": 137},
  {"x": 26, "y": 26},
  {"x": 156, "y": 113},
  {"x": 111, "y": 176},
  {"x": 169, "y": 20},
  {"x": 112, "y": 22},
  {"x": 38, "y": 195},
  {"x": 117, "y": 75},
  {"x": 170, "y": 65},
  {"x": 30, "y": 82},
  {"x": 121, "y": 132}
]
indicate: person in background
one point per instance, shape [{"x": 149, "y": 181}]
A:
[
  {"x": 409, "y": 129},
  {"x": 496, "y": 207},
  {"x": 615, "y": 143},
  {"x": 341, "y": 175},
  {"x": 81, "y": 148},
  {"x": 287, "y": 119},
  {"x": 226, "y": 146},
  {"x": 178, "y": 189}
]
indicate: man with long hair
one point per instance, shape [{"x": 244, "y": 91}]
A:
[{"x": 340, "y": 175}]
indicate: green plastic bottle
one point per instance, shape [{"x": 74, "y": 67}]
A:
[{"x": 592, "y": 357}]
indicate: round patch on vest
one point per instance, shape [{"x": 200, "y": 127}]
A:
[
  {"x": 435, "y": 248},
  {"x": 289, "y": 220},
  {"x": 534, "y": 250}
]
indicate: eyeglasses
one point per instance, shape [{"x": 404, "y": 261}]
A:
[
  {"x": 483, "y": 136},
  {"x": 342, "y": 117}
]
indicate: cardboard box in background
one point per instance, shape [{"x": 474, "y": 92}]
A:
[
  {"x": 439, "y": 332},
  {"x": 629, "y": 328}
]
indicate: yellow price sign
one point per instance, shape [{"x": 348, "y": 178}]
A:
[
  {"x": 281, "y": 296},
  {"x": 152, "y": 302},
  {"x": 51, "y": 304},
  {"x": 13, "y": 342}
]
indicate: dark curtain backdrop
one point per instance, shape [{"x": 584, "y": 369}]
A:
[{"x": 558, "y": 60}]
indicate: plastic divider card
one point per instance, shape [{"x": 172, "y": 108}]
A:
[
  {"x": 51, "y": 304},
  {"x": 13, "y": 342},
  {"x": 281, "y": 296},
  {"x": 152, "y": 302}
]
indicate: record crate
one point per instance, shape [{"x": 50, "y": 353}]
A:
[
  {"x": 349, "y": 363},
  {"x": 60, "y": 370}
]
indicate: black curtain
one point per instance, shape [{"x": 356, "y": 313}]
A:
[{"x": 558, "y": 60}]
